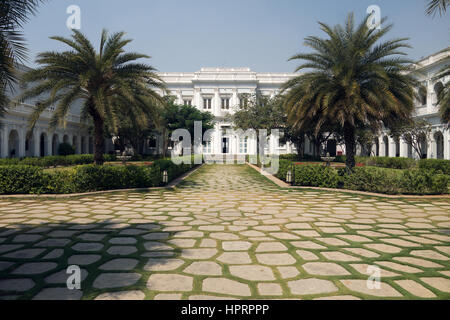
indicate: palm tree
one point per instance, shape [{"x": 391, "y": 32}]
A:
[
  {"x": 104, "y": 83},
  {"x": 435, "y": 6},
  {"x": 13, "y": 14},
  {"x": 354, "y": 82}
]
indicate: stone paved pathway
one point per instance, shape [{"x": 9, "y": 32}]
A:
[{"x": 225, "y": 233}]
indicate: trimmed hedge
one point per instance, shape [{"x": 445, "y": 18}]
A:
[
  {"x": 379, "y": 180},
  {"x": 435, "y": 165},
  {"x": 369, "y": 179},
  {"x": 383, "y": 162},
  {"x": 316, "y": 176},
  {"x": 284, "y": 167},
  {"x": 382, "y": 180},
  {"x": 23, "y": 179},
  {"x": 310, "y": 175},
  {"x": 55, "y": 161},
  {"x": 173, "y": 171},
  {"x": 387, "y": 162}
]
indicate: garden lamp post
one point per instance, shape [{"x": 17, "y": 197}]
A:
[
  {"x": 165, "y": 177},
  {"x": 290, "y": 175}
]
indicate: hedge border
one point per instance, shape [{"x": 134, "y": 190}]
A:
[
  {"x": 172, "y": 185},
  {"x": 284, "y": 185}
]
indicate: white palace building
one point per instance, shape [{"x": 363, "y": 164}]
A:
[
  {"x": 217, "y": 90},
  {"x": 437, "y": 146}
]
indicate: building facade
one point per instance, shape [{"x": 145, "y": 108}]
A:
[
  {"x": 17, "y": 141},
  {"x": 437, "y": 144},
  {"x": 219, "y": 91}
]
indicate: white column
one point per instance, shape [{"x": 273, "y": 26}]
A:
[
  {"x": 447, "y": 144},
  {"x": 216, "y": 107},
  {"x": 197, "y": 100},
  {"x": 218, "y": 140},
  {"x": 235, "y": 99},
  {"x": 392, "y": 148},
  {"x": 37, "y": 142},
  {"x": 254, "y": 145},
  {"x": 22, "y": 136},
  {"x": 179, "y": 97},
  {"x": 4, "y": 142},
  {"x": 78, "y": 144},
  {"x": 431, "y": 151},
  {"x": 358, "y": 150},
  {"x": 403, "y": 148},
  {"x": 430, "y": 91},
  {"x": 373, "y": 151},
  {"x": 382, "y": 148},
  {"x": 49, "y": 144}
]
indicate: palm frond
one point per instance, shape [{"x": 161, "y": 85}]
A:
[
  {"x": 437, "y": 6},
  {"x": 107, "y": 84}
]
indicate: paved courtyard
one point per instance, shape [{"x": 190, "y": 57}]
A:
[{"x": 225, "y": 233}]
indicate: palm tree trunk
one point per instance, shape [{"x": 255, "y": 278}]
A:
[
  {"x": 99, "y": 141},
  {"x": 350, "y": 141}
]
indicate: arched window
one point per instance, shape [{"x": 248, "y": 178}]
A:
[
  {"x": 397, "y": 147},
  {"x": 438, "y": 88},
  {"x": 423, "y": 95},
  {"x": 439, "y": 138},
  {"x": 13, "y": 144},
  {"x": 43, "y": 145}
]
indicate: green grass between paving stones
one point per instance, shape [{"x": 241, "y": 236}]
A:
[{"x": 89, "y": 292}]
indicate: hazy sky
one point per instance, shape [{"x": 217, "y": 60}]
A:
[{"x": 185, "y": 35}]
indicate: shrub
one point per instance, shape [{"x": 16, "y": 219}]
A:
[
  {"x": 173, "y": 171},
  {"x": 316, "y": 176},
  {"x": 435, "y": 165},
  {"x": 369, "y": 179},
  {"x": 21, "y": 179},
  {"x": 66, "y": 149},
  {"x": 56, "y": 161},
  {"x": 394, "y": 163},
  {"x": 424, "y": 182},
  {"x": 9, "y": 161},
  {"x": 285, "y": 166},
  {"x": 389, "y": 181},
  {"x": 440, "y": 184},
  {"x": 382, "y": 162},
  {"x": 340, "y": 159},
  {"x": 372, "y": 179},
  {"x": 290, "y": 157},
  {"x": 97, "y": 178},
  {"x": 61, "y": 182}
]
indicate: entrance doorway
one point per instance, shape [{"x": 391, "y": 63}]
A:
[{"x": 225, "y": 145}]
